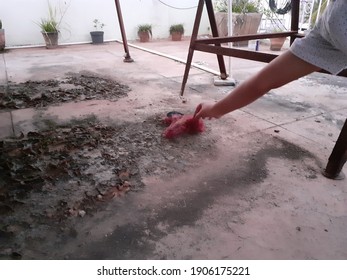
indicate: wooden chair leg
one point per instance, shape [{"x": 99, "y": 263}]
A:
[
  {"x": 194, "y": 36},
  {"x": 338, "y": 157},
  {"x": 127, "y": 57}
]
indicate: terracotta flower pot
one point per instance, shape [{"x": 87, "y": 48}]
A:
[
  {"x": 176, "y": 36},
  {"x": 276, "y": 44},
  {"x": 2, "y": 39},
  {"x": 243, "y": 24},
  {"x": 144, "y": 36}
]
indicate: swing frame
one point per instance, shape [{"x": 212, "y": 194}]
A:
[
  {"x": 338, "y": 156},
  {"x": 214, "y": 44}
]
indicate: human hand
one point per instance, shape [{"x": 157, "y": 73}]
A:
[{"x": 204, "y": 110}]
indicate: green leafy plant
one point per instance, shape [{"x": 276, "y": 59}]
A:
[
  {"x": 177, "y": 28},
  {"x": 277, "y": 24},
  {"x": 145, "y": 28},
  {"x": 48, "y": 25},
  {"x": 98, "y": 25},
  {"x": 0, "y": 24},
  {"x": 52, "y": 22},
  {"x": 238, "y": 6}
]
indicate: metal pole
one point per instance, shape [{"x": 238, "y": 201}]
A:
[
  {"x": 127, "y": 57},
  {"x": 295, "y": 18},
  {"x": 319, "y": 8},
  {"x": 230, "y": 30},
  {"x": 225, "y": 78},
  {"x": 311, "y": 11}
]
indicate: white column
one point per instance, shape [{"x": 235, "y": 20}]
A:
[{"x": 230, "y": 30}]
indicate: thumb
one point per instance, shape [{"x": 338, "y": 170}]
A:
[{"x": 197, "y": 111}]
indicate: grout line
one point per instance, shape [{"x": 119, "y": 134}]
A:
[
  {"x": 290, "y": 122},
  {"x": 6, "y": 92},
  {"x": 249, "y": 113},
  {"x": 274, "y": 125},
  {"x": 12, "y": 124},
  {"x": 173, "y": 58},
  {"x": 283, "y": 124},
  {"x": 6, "y": 73}
]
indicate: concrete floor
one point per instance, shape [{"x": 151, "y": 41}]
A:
[{"x": 219, "y": 210}]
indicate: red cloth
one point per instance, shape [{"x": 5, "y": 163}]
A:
[{"x": 182, "y": 124}]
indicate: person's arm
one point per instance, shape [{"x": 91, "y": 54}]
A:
[{"x": 282, "y": 70}]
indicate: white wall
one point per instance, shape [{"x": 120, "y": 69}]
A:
[{"x": 19, "y": 18}]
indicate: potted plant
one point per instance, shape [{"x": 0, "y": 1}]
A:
[
  {"x": 98, "y": 34},
  {"x": 246, "y": 18},
  {"x": 176, "y": 32},
  {"x": 275, "y": 24},
  {"x": 50, "y": 33},
  {"x": 2, "y": 37},
  {"x": 50, "y": 28},
  {"x": 144, "y": 31}
]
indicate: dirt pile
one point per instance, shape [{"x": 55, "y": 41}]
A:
[{"x": 75, "y": 87}]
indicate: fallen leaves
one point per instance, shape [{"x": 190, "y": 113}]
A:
[{"x": 117, "y": 191}]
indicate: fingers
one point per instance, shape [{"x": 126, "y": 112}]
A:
[
  {"x": 206, "y": 111},
  {"x": 203, "y": 111},
  {"x": 197, "y": 110}
]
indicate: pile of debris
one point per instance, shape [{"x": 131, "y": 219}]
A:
[{"x": 75, "y": 87}]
